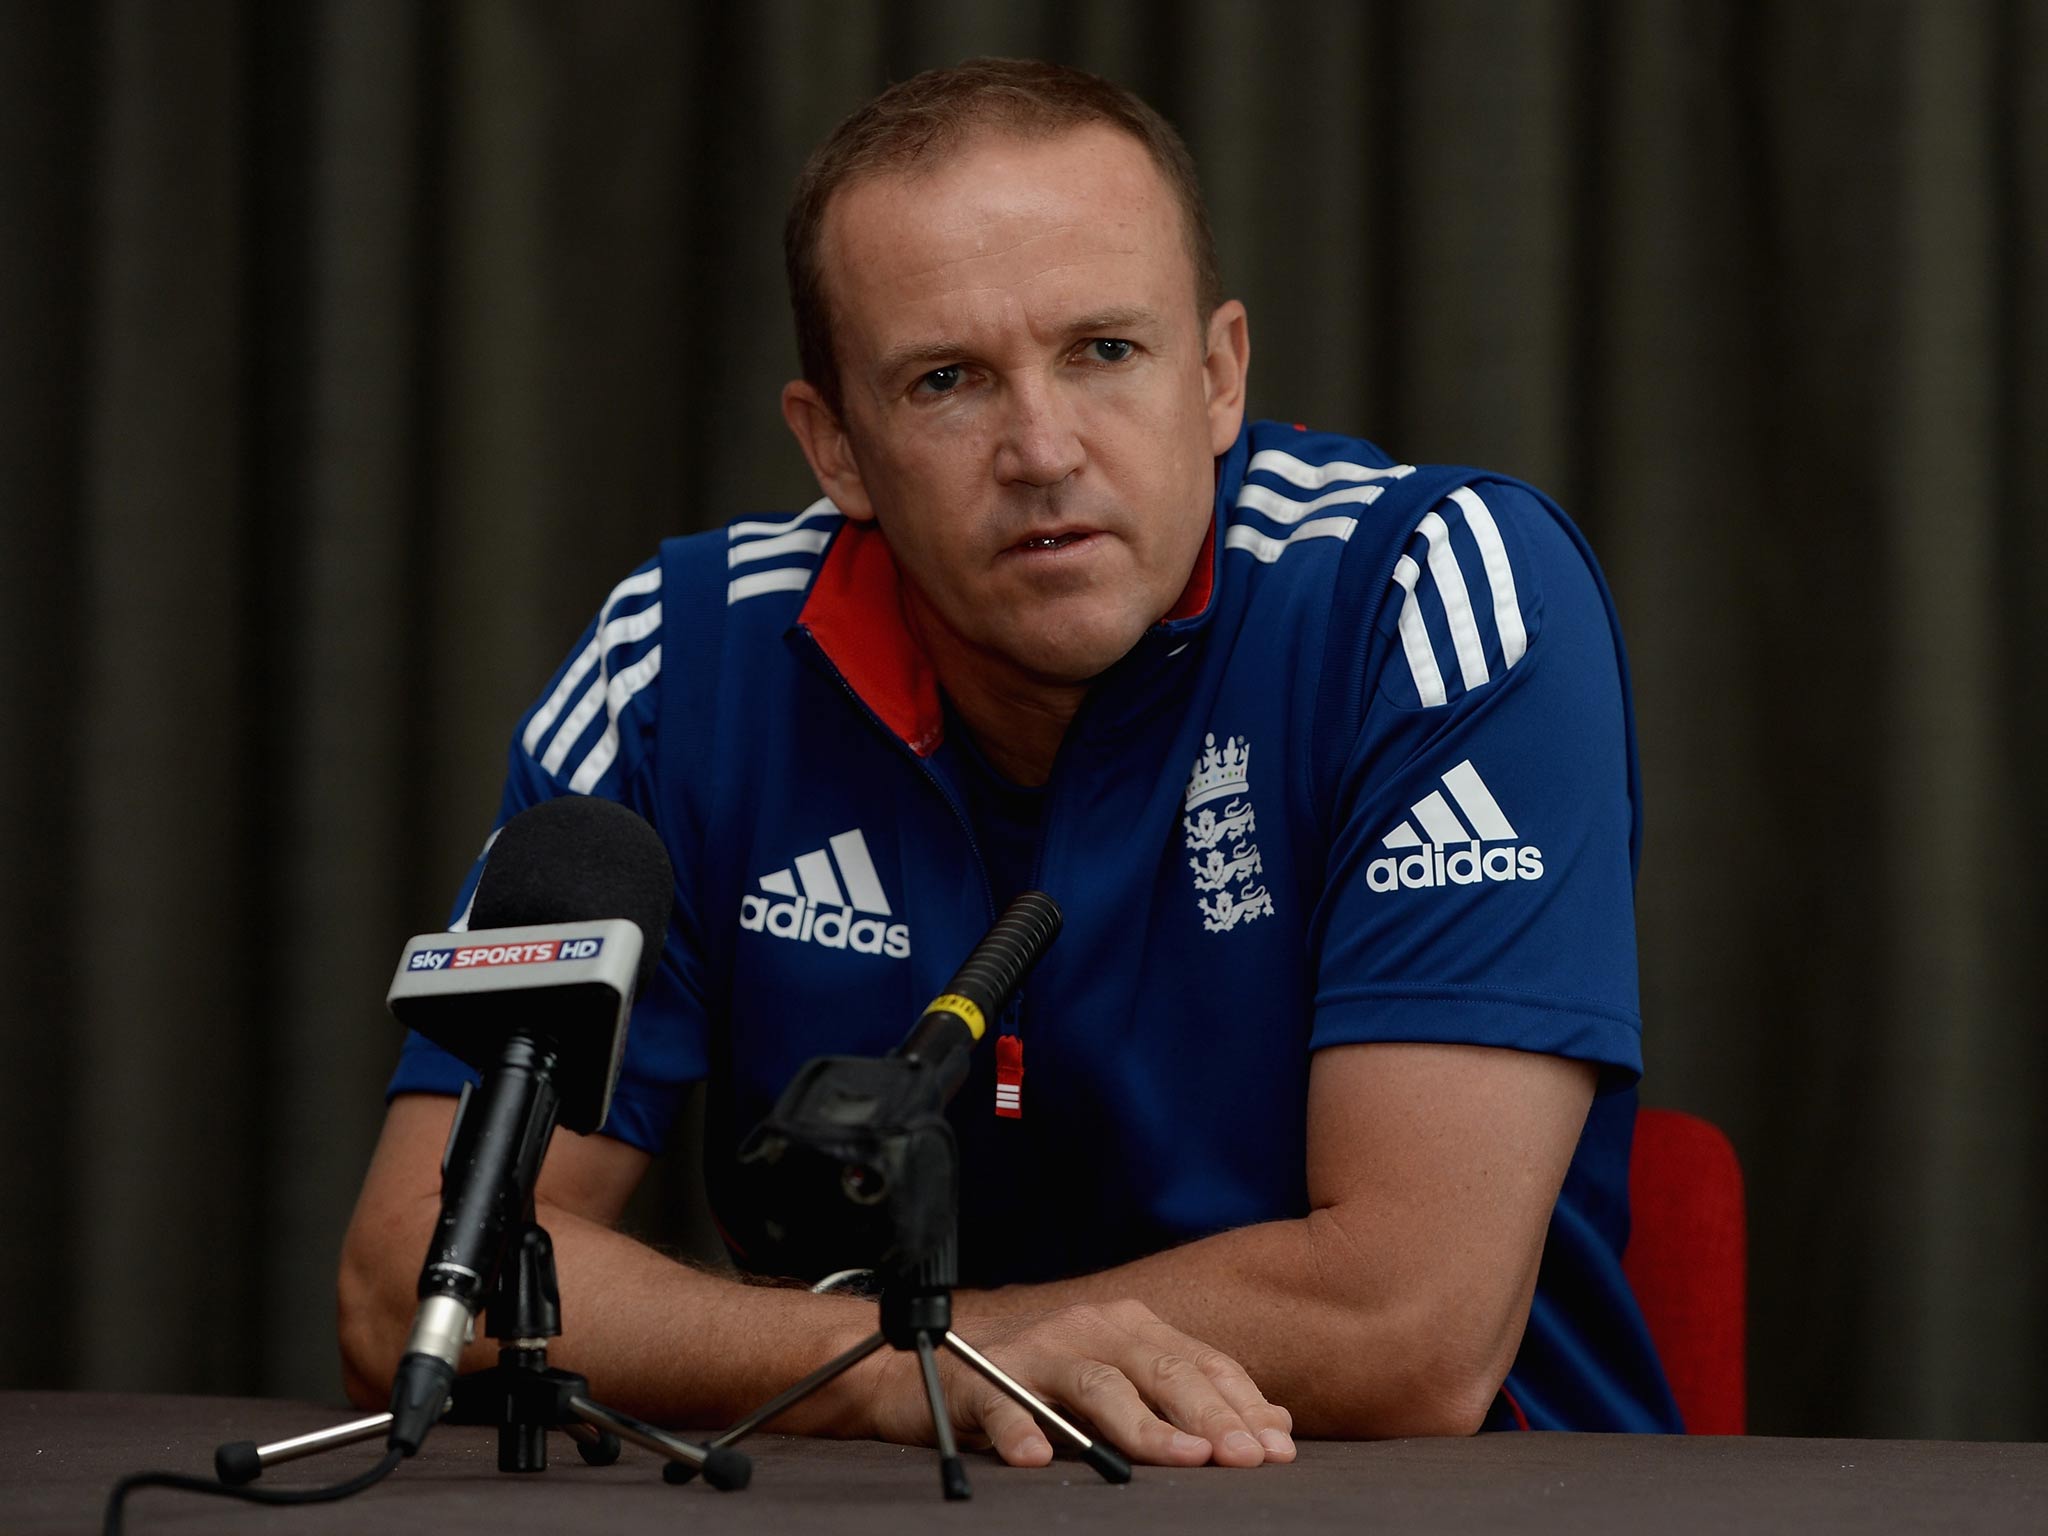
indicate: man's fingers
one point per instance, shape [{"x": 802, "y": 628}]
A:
[
  {"x": 1014, "y": 1433},
  {"x": 1272, "y": 1424},
  {"x": 1269, "y": 1423},
  {"x": 1105, "y": 1396},
  {"x": 1184, "y": 1395},
  {"x": 1204, "y": 1390},
  {"x": 1150, "y": 1390}
]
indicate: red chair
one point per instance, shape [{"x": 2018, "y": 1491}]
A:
[{"x": 1686, "y": 1260}]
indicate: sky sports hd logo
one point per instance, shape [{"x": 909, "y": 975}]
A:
[
  {"x": 468, "y": 957},
  {"x": 833, "y": 898},
  {"x": 1482, "y": 847}
]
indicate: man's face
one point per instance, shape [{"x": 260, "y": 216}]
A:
[{"x": 1031, "y": 404}]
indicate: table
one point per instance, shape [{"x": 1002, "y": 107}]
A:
[{"x": 62, "y": 1451}]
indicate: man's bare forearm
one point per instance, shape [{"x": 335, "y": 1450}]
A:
[
  {"x": 1397, "y": 1304},
  {"x": 1353, "y": 1345},
  {"x": 654, "y": 1336},
  {"x": 657, "y": 1338}
]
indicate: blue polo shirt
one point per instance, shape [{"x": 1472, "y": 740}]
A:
[{"x": 1372, "y": 779}]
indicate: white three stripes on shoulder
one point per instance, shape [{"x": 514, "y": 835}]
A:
[
  {"x": 621, "y": 688},
  {"x": 1313, "y": 477},
  {"x": 610, "y": 632},
  {"x": 1296, "y": 514},
  {"x": 1429, "y": 683},
  {"x": 767, "y": 539},
  {"x": 1450, "y": 585},
  {"x": 805, "y": 541},
  {"x": 788, "y": 578},
  {"x": 822, "y": 507},
  {"x": 609, "y": 692},
  {"x": 1280, "y": 509},
  {"x": 1264, "y": 547},
  {"x": 1507, "y": 611},
  {"x": 1460, "y": 616}
]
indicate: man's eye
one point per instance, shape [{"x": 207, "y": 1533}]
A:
[
  {"x": 941, "y": 381},
  {"x": 1107, "y": 349}
]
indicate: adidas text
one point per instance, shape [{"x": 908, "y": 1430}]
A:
[
  {"x": 835, "y": 927},
  {"x": 1428, "y": 868}
]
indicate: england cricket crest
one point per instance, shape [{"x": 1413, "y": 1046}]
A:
[{"x": 1219, "y": 825}]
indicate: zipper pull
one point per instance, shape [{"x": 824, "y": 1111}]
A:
[{"x": 1009, "y": 1077}]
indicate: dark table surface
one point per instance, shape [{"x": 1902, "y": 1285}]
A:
[{"x": 62, "y": 1452}]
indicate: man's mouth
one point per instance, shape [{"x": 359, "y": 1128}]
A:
[{"x": 1049, "y": 541}]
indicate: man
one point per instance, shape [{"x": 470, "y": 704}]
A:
[{"x": 1326, "y": 758}]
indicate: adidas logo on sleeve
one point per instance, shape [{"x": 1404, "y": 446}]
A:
[
  {"x": 834, "y": 898},
  {"x": 1483, "y": 846}
]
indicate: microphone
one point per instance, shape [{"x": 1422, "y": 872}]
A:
[
  {"x": 856, "y": 1166},
  {"x": 945, "y": 1034},
  {"x": 566, "y": 926}
]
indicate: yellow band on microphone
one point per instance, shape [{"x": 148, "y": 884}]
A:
[{"x": 962, "y": 1008}]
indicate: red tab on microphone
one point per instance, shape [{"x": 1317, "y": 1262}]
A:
[{"x": 1010, "y": 1077}]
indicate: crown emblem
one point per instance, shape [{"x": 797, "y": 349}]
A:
[{"x": 1220, "y": 771}]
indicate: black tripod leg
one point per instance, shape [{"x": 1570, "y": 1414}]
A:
[
  {"x": 741, "y": 1428},
  {"x": 1104, "y": 1458},
  {"x": 952, "y": 1476}
]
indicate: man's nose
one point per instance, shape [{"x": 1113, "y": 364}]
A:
[{"x": 1041, "y": 441}]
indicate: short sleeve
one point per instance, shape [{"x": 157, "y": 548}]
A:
[
  {"x": 593, "y": 731},
  {"x": 1480, "y": 887}
]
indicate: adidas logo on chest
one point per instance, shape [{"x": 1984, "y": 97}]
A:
[
  {"x": 1474, "y": 844},
  {"x": 833, "y": 898}
]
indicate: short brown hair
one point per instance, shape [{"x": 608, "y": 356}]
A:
[{"x": 916, "y": 121}]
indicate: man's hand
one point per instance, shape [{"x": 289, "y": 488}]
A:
[{"x": 1141, "y": 1384}]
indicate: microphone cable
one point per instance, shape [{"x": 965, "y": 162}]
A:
[{"x": 328, "y": 1495}]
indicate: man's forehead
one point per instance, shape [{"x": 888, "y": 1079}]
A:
[
  {"x": 1003, "y": 209},
  {"x": 993, "y": 173},
  {"x": 1015, "y": 148}
]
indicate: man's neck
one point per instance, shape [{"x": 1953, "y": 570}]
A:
[
  {"x": 1017, "y": 721},
  {"x": 1018, "y": 732}
]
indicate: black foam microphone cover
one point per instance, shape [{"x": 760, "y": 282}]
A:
[{"x": 577, "y": 859}]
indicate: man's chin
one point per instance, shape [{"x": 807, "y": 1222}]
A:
[{"x": 1069, "y": 657}]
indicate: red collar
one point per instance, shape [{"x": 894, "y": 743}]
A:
[{"x": 855, "y": 613}]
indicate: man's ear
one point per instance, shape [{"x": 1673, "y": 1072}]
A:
[
  {"x": 822, "y": 436},
  {"x": 1224, "y": 367}
]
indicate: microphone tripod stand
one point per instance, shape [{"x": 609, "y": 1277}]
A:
[
  {"x": 522, "y": 1394},
  {"x": 916, "y": 1303},
  {"x": 857, "y": 1159}
]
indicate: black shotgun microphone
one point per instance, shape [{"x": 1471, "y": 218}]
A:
[
  {"x": 856, "y": 1165},
  {"x": 567, "y": 925},
  {"x": 945, "y": 1034}
]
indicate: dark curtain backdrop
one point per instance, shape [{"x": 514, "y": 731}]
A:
[{"x": 350, "y": 351}]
